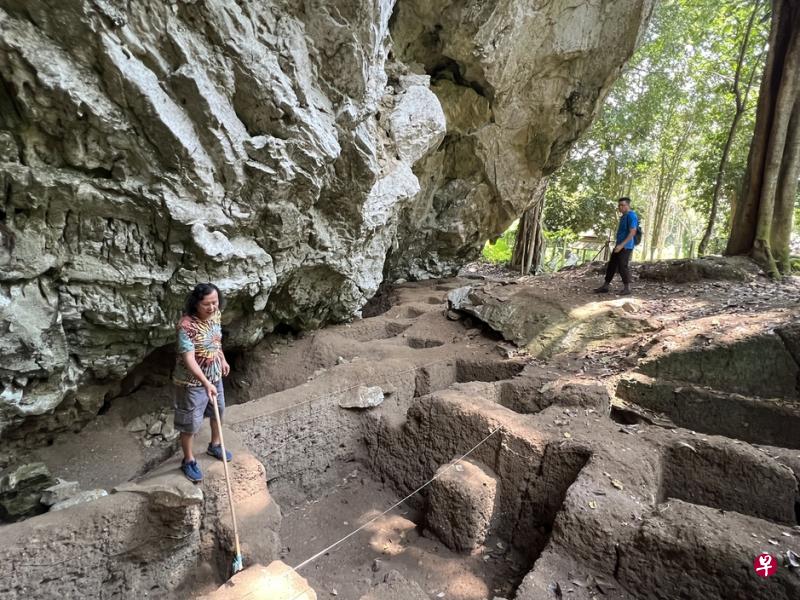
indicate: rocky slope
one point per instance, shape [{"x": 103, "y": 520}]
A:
[{"x": 293, "y": 152}]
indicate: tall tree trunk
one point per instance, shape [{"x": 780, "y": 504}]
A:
[
  {"x": 658, "y": 212},
  {"x": 787, "y": 192},
  {"x": 529, "y": 243},
  {"x": 740, "y": 104},
  {"x": 668, "y": 175},
  {"x": 765, "y": 210}
]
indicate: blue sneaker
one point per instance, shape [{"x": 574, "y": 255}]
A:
[
  {"x": 192, "y": 471},
  {"x": 216, "y": 452}
]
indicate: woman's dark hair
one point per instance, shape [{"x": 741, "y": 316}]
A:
[{"x": 200, "y": 291}]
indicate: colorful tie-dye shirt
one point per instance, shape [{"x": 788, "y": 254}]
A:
[{"x": 205, "y": 339}]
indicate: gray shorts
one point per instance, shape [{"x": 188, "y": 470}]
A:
[{"x": 192, "y": 404}]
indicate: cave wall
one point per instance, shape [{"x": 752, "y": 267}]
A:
[
  {"x": 282, "y": 149},
  {"x": 519, "y": 81}
]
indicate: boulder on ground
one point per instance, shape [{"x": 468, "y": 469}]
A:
[
  {"x": 21, "y": 491},
  {"x": 545, "y": 325},
  {"x": 362, "y": 397},
  {"x": 80, "y": 498}
]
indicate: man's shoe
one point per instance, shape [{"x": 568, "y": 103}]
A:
[
  {"x": 192, "y": 471},
  {"x": 626, "y": 291},
  {"x": 216, "y": 452},
  {"x": 603, "y": 289}
]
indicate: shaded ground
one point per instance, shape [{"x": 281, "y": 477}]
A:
[
  {"x": 611, "y": 451},
  {"x": 104, "y": 453},
  {"x": 394, "y": 541}
]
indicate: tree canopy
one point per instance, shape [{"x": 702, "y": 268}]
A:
[{"x": 662, "y": 134}]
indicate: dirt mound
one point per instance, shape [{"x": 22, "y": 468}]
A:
[{"x": 715, "y": 268}]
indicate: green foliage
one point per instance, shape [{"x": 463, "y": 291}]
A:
[
  {"x": 500, "y": 251},
  {"x": 573, "y": 205},
  {"x": 660, "y": 134},
  {"x": 561, "y": 236}
]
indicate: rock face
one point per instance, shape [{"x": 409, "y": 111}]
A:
[
  {"x": 547, "y": 326},
  {"x": 519, "y": 82},
  {"x": 21, "y": 490},
  {"x": 293, "y": 153}
]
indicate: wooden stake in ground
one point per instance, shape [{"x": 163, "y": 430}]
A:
[{"x": 762, "y": 222}]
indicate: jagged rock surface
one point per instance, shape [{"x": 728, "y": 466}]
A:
[
  {"x": 547, "y": 326},
  {"x": 21, "y": 490},
  {"x": 519, "y": 82},
  {"x": 276, "y": 148}
]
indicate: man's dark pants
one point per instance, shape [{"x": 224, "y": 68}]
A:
[{"x": 619, "y": 261}]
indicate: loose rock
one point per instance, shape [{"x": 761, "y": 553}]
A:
[
  {"x": 362, "y": 397},
  {"x": 21, "y": 490},
  {"x": 168, "y": 431},
  {"x": 79, "y": 498},
  {"x": 136, "y": 425},
  {"x": 59, "y": 492}
]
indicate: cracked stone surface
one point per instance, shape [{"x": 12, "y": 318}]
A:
[
  {"x": 518, "y": 82},
  {"x": 293, "y": 153}
]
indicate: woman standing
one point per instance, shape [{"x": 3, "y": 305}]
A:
[{"x": 198, "y": 374}]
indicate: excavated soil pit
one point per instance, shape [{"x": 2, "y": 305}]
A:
[
  {"x": 395, "y": 541},
  {"x": 581, "y": 505},
  {"x": 730, "y": 477},
  {"x": 769, "y": 421},
  {"x": 333, "y": 469},
  {"x": 402, "y": 538},
  {"x": 744, "y": 389}
]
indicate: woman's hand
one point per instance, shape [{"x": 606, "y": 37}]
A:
[
  {"x": 211, "y": 390},
  {"x": 226, "y": 368}
]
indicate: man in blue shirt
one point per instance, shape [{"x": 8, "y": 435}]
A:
[{"x": 621, "y": 256}]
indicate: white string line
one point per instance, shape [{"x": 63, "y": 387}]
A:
[
  {"x": 311, "y": 434},
  {"x": 436, "y": 476},
  {"x": 395, "y": 505}
]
